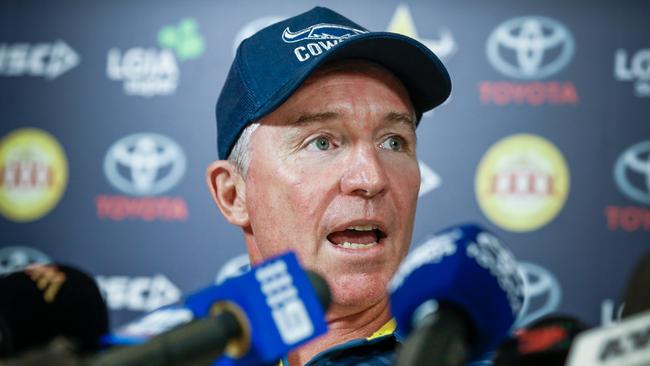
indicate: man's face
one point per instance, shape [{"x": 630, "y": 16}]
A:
[{"x": 334, "y": 177}]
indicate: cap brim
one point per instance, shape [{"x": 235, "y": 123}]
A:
[{"x": 421, "y": 71}]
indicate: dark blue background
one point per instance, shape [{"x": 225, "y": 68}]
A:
[{"x": 87, "y": 113}]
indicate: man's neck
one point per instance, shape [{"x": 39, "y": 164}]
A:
[{"x": 344, "y": 325}]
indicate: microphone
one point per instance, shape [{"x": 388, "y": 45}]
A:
[
  {"x": 455, "y": 297},
  {"x": 44, "y": 301},
  {"x": 626, "y": 343},
  {"x": 58, "y": 352},
  {"x": 546, "y": 341},
  {"x": 252, "y": 319},
  {"x": 637, "y": 291}
]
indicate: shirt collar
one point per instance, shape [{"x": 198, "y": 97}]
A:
[{"x": 386, "y": 330}]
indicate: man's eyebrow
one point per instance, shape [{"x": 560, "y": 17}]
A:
[
  {"x": 401, "y": 117},
  {"x": 307, "y": 118}
]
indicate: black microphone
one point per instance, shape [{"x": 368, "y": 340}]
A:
[
  {"x": 637, "y": 291},
  {"x": 58, "y": 352},
  {"x": 199, "y": 342},
  {"x": 44, "y": 301},
  {"x": 626, "y": 343},
  {"x": 546, "y": 341}
]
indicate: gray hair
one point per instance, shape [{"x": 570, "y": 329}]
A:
[{"x": 240, "y": 155}]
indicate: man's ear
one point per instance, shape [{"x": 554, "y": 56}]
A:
[{"x": 228, "y": 191}]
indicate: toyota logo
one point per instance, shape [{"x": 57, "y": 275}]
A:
[
  {"x": 542, "y": 288},
  {"x": 632, "y": 172},
  {"x": 531, "y": 47},
  {"x": 144, "y": 164}
]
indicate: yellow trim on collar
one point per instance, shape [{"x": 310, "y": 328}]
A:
[{"x": 386, "y": 329}]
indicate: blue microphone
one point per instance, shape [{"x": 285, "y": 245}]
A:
[
  {"x": 253, "y": 319},
  {"x": 455, "y": 297}
]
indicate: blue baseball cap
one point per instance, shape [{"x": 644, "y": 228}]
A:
[{"x": 270, "y": 65}]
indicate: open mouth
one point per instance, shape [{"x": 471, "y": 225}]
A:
[{"x": 357, "y": 237}]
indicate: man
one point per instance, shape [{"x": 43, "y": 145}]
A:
[{"x": 316, "y": 132}]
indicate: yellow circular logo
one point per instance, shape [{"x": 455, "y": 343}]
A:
[
  {"x": 33, "y": 174},
  {"x": 522, "y": 182}
]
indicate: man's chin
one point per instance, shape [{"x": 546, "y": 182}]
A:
[{"x": 358, "y": 290}]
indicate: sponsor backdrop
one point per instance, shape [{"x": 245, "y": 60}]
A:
[{"x": 108, "y": 126}]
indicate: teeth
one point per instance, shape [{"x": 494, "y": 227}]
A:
[
  {"x": 362, "y": 227},
  {"x": 356, "y": 245}
]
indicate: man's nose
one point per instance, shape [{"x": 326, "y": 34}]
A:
[{"x": 364, "y": 174}]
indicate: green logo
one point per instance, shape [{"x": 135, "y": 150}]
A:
[{"x": 184, "y": 39}]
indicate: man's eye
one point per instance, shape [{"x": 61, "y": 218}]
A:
[
  {"x": 394, "y": 143},
  {"x": 320, "y": 143}
]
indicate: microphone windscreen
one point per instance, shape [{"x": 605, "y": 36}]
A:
[
  {"x": 469, "y": 268},
  {"x": 44, "y": 301}
]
